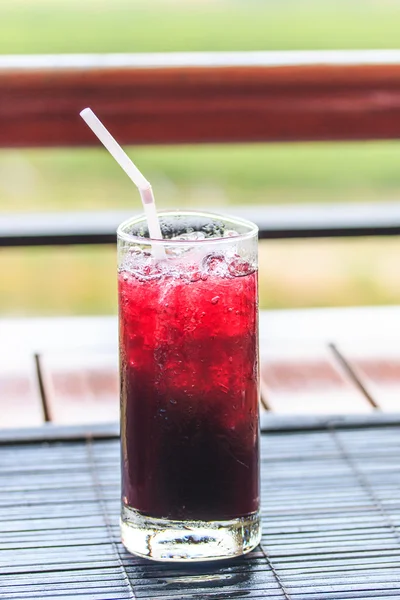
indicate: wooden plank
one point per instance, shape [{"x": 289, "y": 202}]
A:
[
  {"x": 20, "y": 401},
  {"x": 81, "y": 387},
  {"x": 326, "y": 325},
  {"x": 377, "y": 366},
  {"x": 270, "y": 423},
  {"x": 306, "y": 379},
  {"x": 317, "y": 325},
  {"x": 274, "y": 222},
  {"x": 48, "y": 335},
  {"x": 50, "y": 432},
  {"x": 194, "y": 98},
  {"x": 291, "y": 327}
]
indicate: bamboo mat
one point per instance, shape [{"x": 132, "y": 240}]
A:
[{"x": 330, "y": 506}]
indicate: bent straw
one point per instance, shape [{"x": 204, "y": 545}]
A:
[{"x": 144, "y": 186}]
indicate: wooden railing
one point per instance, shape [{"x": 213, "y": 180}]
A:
[
  {"x": 198, "y": 98},
  {"x": 216, "y": 97},
  {"x": 287, "y": 222}
]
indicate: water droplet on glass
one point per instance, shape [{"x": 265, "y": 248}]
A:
[
  {"x": 173, "y": 401},
  {"x": 215, "y": 300},
  {"x": 191, "y": 235}
]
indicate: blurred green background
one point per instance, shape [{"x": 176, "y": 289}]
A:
[{"x": 292, "y": 273}]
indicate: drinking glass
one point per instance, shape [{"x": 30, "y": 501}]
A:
[{"x": 188, "y": 325}]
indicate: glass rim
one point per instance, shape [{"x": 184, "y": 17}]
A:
[{"x": 128, "y": 237}]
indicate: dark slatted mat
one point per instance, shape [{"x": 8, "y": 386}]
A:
[{"x": 330, "y": 504}]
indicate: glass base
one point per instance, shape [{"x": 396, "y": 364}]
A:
[{"x": 182, "y": 541}]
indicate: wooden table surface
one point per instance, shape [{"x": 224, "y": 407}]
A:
[{"x": 313, "y": 362}]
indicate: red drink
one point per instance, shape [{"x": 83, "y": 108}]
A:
[{"x": 189, "y": 387}]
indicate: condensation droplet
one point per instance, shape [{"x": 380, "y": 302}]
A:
[{"x": 215, "y": 300}]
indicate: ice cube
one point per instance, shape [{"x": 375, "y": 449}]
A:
[
  {"x": 192, "y": 235},
  {"x": 230, "y": 233},
  {"x": 213, "y": 229},
  {"x": 238, "y": 267},
  {"x": 214, "y": 264}
]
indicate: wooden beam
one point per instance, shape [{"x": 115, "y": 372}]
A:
[
  {"x": 20, "y": 401},
  {"x": 81, "y": 386},
  {"x": 195, "y": 98},
  {"x": 274, "y": 222},
  {"x": 307, "y": 379},
  {"x": 377, "y": 367}
]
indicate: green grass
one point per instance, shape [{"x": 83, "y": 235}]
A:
[
  {"x": 132, "y": 26},
  {"x": 32, "y": 180},
  {"x": 206, "y": 175}
]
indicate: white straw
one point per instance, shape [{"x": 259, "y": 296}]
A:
[{"x": 145, "y": 189}]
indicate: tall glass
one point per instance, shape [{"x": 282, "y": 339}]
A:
[{"x": 189, "y": 387}]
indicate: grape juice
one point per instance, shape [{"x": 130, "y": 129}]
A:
[{"x": 189, "y": 389}]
